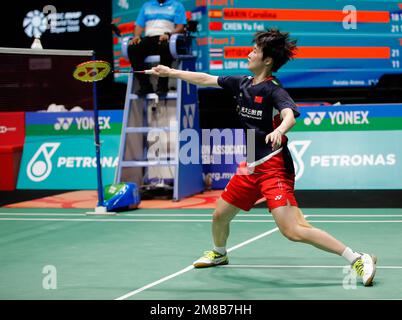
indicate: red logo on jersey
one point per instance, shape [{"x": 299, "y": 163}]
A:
[{"x": 257, "y": 99}]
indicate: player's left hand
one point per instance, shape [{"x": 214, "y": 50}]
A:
[{"x": 275, "y": 137}]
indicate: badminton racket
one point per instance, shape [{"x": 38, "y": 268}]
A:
[{"x": 96, "y": 70}]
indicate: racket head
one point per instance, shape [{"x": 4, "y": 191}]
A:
[{"x": 91, "y": 71}]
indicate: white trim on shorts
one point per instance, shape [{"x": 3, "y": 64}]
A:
[{"x": 266, "y": 158}]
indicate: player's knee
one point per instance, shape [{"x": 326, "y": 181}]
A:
[
  {"x": 292, "y": 233},
  {"x": 219, "y": 216}
]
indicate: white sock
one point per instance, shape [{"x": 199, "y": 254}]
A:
[
  {"x": 220, "y": 250},
  {"x": 350, "y": 255}
]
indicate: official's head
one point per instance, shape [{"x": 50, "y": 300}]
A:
[{"x": 272, "y": 49}]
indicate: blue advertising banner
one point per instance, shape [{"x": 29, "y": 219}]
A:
[
  {"x": 189, "y": 164},
  {"x": 222, "y": 151}
]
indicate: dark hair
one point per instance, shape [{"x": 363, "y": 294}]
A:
[{"x": 276, "y": 45}]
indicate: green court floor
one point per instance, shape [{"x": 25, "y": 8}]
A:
[{"x": 147, "y": 254}]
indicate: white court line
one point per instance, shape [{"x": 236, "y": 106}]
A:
[
  {"x": 355, "y": 221},
  {"x": 130, "y": 294},
  {"x": 125, "y": 220},
  {"x": 129, "y": 214},
  {"x": 190, "y": 267},
  {"x": 356, "y": 215},
  {"x": 40, "y": 214},
  {"x": 188, "y": 220},
  {"x": 199, "y": 215},
  {"x": 268, "y": 266},
  {"x": 252, "y": 239}
]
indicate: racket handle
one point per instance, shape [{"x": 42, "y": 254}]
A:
[{"x": 149, "y": 71}]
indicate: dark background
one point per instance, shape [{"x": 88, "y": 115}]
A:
[{"x": 98, "y": 38}]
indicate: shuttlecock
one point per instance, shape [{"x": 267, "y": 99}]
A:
[
  {"x": 76, "y": 109},
  {"x": 56, "y": 108},
  {"x": 36, "y": 44}
]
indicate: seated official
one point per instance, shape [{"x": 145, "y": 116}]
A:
[{"x": 159, "y": 19}]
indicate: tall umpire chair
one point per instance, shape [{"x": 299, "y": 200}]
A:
[{"x": 150, "y": 144}]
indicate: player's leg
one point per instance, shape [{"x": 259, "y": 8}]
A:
[
  {"x": 292, "y": 226},
  {"x": 288, "y": 221},
  {"x": 240, "y": 193},
  {"x": 278, "y": 188},
  {"x": 223, "y": 214}
]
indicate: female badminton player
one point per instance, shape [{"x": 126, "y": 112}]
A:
[{"x": 269, "y": 170}]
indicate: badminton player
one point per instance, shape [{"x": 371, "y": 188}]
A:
[{"x": 269, "y": 170}]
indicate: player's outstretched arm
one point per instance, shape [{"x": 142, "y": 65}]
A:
[{"x": 197, "y": 78}]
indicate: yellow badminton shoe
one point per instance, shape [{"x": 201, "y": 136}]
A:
[
  {"x": 365, "y": 267},
  {"x": 211, "y": 259}
]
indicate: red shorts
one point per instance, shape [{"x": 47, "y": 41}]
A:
[{"x": 269, "y": 181}]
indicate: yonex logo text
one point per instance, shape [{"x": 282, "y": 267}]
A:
[
  {"x": 314, "y": 117},
  {"x": 82, "y": 123},
  {"x": 338, "y": 117},
  {"x": 63, "y": 123},
  {"x": 188, "y": 119}
]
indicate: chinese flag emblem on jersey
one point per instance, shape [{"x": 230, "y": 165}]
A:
[{"x": 257, "y": 99}]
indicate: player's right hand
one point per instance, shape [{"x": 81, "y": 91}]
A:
[
  {"x": 162, "y": 71},
  {"x": 275, "y": 137}
]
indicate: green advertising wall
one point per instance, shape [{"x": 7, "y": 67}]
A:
[
  {"x": 348, "y": 147},
  {"x": 59, "y": 150}
]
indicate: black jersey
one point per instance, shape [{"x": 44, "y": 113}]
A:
[{"x": 256, "y": 105}]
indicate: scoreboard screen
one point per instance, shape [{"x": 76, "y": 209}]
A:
[{"x": 340, "y": 43}]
